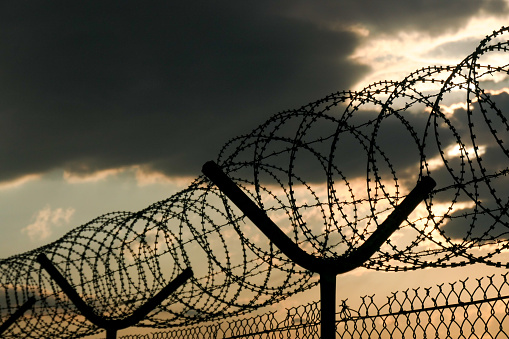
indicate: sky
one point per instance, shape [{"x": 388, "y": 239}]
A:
[{"x": 110, "y": 106}]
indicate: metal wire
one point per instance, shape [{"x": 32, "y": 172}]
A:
[
  {"x": 470, "y": 308},
  {"x": 327, "y": 174}
]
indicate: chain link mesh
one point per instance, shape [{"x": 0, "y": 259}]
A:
[{"x": 470, "y": 308}]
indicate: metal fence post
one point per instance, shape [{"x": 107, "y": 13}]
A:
[
  {"x": 328, "y": 269},
  {"x": 19, "y": 312},
  {"x": 328, "y": 304},
  {"x": 112, "y": 326}
]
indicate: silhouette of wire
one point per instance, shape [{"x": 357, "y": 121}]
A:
[{"x": 327, "y": 174}]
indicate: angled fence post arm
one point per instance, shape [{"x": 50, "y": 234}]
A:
[
  {"x": 327, "y": 268},
  {"x": 71, "y": 293},
  {"x": 142, "y": 311},
  {"x": 361, "y": 254},
  {"x": 112, "y": 326},
  {"x": 259, "y": 217},
  {"x": 328, "y": 305},
  {"x": 16, "y": 315}
]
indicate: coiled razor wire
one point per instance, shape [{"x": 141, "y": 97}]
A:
[{"x": 327, "y": 173}]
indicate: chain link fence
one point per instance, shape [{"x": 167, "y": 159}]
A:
[{"x": 470, "y": 308}]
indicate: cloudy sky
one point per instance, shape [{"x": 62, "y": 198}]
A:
[{"x": 109, "y": 106}]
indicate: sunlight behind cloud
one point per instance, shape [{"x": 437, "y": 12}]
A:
[
  {"x": 457, "y": 151},
  {"x": 393, "y": 57},
  {"x": 74, "y": 178},
  {"x": 143, "y": 176},
  {"x": 146, "y": 177},
  {"x": 449, "y": 110},
  {"x": 19, "y": 181},
  {"x": 498, "y": 91}
]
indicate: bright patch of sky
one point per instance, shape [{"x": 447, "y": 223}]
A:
[
  {"x": 394, "y": 57},
  {"x": 45, "y": 207}
]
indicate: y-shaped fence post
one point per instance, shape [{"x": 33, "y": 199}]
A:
[
  {"x": 19, "y": 312},
  {"x": 112, "y": 326},
  {"x": 327, "y": 268}
]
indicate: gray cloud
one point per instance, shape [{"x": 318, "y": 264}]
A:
[{"x": 91, "y": 85}]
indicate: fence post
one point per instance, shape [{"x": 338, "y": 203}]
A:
[
  {"x": 19, "y": 312},
  {"x": 112, "y": 326},
  {"x": 328, "y": 269},
  {"x": 328, "y": 304}
]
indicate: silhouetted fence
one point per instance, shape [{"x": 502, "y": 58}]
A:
[
  {"x": 329, "y": 175},
  {"x": 470, "y": 308}
]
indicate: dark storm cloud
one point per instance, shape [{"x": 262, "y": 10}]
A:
[
  {"x": 393, "y": 16},
  {"x": 91, "y": 85}
]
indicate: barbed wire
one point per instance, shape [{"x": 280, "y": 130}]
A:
[{"x": 327, "y": 173}]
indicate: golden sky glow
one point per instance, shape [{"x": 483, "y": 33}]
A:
[{"x": 393, "y": 57}]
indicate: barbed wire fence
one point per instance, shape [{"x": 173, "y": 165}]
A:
[{"x": 328, "y": 173}]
